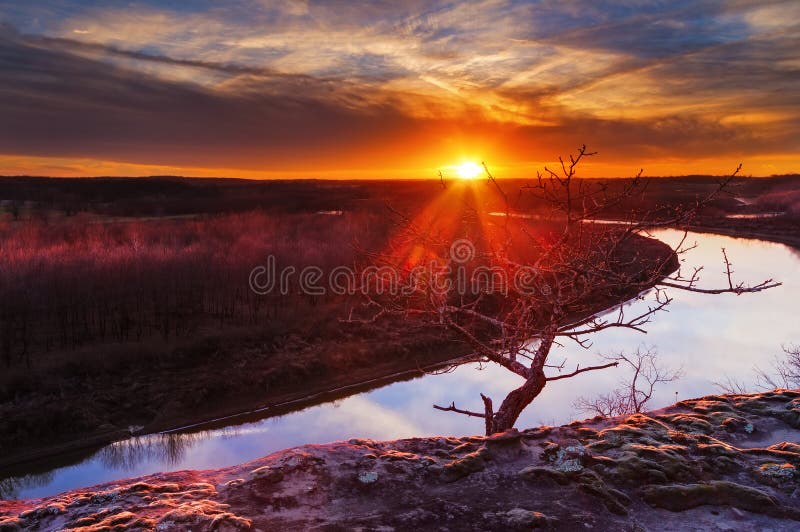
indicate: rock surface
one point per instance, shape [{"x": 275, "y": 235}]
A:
[{"x": 716, "y": 463}]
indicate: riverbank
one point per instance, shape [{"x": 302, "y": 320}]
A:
[
  {"x": 786, "y": 232},
  {"x": 218, "y": 380},
  {"x": 702, "y": 464}
]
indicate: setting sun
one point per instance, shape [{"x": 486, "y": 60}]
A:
[{"x": 468, "y": 170}]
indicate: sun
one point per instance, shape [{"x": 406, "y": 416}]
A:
[{"x": 468, "y": 170}]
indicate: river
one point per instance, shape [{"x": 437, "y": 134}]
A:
[{"x": 709, "y": 337}]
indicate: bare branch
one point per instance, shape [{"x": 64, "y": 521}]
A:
[
  {"x": 581, "y": 370},
  {"x": 731, "y": 385},
  {"x": 785, "y": 371},
  {"x": 738, "y": 289},
  {"x": 452, "y": 408}
]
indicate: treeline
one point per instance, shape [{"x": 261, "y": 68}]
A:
[
  {"x": 50, "y": 198},
  {"x": 42, "y": 197},
  {"x": 66, "y": 285}
]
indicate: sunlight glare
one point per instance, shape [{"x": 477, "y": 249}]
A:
[{"x": 468, "y": 170}]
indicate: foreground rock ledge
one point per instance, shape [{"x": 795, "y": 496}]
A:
[{"x": 715, "y": 463}]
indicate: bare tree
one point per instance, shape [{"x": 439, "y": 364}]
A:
[
  {"x": 565, "y": 270},
  {"x": 786, "y": 371},
  {"x": 633, "y": 394},
  {"x": 731, "y": 385}
]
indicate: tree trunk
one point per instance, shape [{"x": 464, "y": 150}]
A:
[{"x": 515, "y": 402}]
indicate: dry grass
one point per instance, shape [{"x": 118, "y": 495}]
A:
[{"x": 77, "y": 283}]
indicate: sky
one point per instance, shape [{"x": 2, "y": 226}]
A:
[{"x": 397, "y": 89}]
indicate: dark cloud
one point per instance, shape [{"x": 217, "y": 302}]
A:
[
  {"x": 755, "y": 67},
  {"x": 652, "y": 30},
  {"x": 80, "y": 47},
  {"x": 57, "y": 103}
]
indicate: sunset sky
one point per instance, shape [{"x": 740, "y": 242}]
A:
[{"x": 256, "y": 88}]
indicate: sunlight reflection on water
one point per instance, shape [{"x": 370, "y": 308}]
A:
[{"x": 710, "y": 337}]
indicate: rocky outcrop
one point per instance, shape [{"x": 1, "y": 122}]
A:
[{"x": 715, "y": 463}]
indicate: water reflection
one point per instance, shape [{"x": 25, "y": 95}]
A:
[
  {"x": 711, "y": 337},
  {"x": 169, "y": 449},
  {"x": 16, "y": 487},
  {"x": 754, "y": 215}
]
